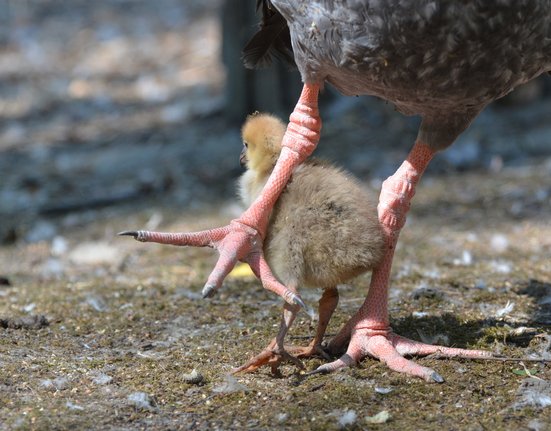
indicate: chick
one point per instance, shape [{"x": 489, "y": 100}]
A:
[{"x": 322, "y": 232}]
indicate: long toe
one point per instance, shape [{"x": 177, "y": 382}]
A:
[
  {"x": 405, "y": 346},
  {"x": 308, "y": 351},
  {"x": 253, "y": 364},
  {"x": 269, "y": 357}
]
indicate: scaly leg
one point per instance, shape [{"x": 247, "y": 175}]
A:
[
  {"x": 242, "y": 238},
  {"x": 275, "y": 353},
  {"x": 327, "y": 304},
  {"x": 369, "y": 330}
]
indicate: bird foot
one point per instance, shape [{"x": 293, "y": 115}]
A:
[
  {"x": 234, "y": 242},
  {"x": 308, "y": 351},
  {"x": 391, "y": 349},
  {"x": 271, "y": 356}
]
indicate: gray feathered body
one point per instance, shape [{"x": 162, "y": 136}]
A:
[{"x": 442, "y": 59}]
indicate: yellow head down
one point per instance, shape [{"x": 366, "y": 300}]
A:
[{"x": 262, "y": 135}]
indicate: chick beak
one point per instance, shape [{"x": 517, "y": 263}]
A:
[{"x": 243, "y": 157}]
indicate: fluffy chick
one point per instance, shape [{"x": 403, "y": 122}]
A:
[{"x": 322, "y": 232}]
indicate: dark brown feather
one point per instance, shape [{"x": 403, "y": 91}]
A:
[{"x": 273, "y": 39}]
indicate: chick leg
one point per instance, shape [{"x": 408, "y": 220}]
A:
[
  {"x": 242, "y": 238},
  {"x": 275, "y": 353},
  {"x": 368, "y": 330},
  {"x": 327, "y": 304}
]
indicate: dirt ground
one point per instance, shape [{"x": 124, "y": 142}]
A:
[{"x": 102, "y": 332}]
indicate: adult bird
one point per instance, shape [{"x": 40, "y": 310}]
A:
[{"x": 444, "y": 60}]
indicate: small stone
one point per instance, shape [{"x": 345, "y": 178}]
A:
[
  {"x": 383, "y": 391},
  {"x": 533, "y": 392},
  {"x": 72, "y": 406},
  {"x": 142, "y": 401},
  {"x": 102, "y": 379},
  {"x": 58, "y": 384},
  {"x": 193, "y": 378},
  {"x": 426, "y": 292},
  {"x": 28, "y": 322},
  {"x": 380, "y": 418}
]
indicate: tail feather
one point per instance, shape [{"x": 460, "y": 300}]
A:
[{"x": 273, "y": 39}]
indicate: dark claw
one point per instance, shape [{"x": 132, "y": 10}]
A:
[
  {"x": 129, "y": 233},
  {"x": 298, "y": 301},
  {"x": 437, "y": 377},
  {"x": 208, "y": 290},
  {"x": 319, "y": 370}
]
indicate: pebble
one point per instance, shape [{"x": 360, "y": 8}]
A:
[
  {"x": 143, "y": 401},
  {"x": 379, "y": 418},
  {"x": 426, "y": 292},
  {"x": 383, "y": 391},
  {"x": 59, "y": 383},
  {"x": 102, "y": 379},
  {"x": 72, "y": 406},
  {"x": 193, "y": 378},
  {"x": 533, "y": 392}
]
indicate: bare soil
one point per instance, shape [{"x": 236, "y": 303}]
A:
[{"x": 110, "y": 122}]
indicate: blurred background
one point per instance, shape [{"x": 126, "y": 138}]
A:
[{"x": 108, "y": 107}]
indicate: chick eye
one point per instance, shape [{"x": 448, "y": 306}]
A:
[{"x": 245, "y": 144}]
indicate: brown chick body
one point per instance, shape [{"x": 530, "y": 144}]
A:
[{"x": 323, "y": 230}]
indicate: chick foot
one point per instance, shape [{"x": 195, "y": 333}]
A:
[
  {"x": 272, "y": 356},
  {"x": 310, "y": 351}
]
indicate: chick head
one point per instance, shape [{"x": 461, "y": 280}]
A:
[{"x": 262, "y": 135}]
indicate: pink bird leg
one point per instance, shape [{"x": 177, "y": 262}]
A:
[
  {"x": 368, "y": 330},
  {"x": 242, "y": 239}
]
